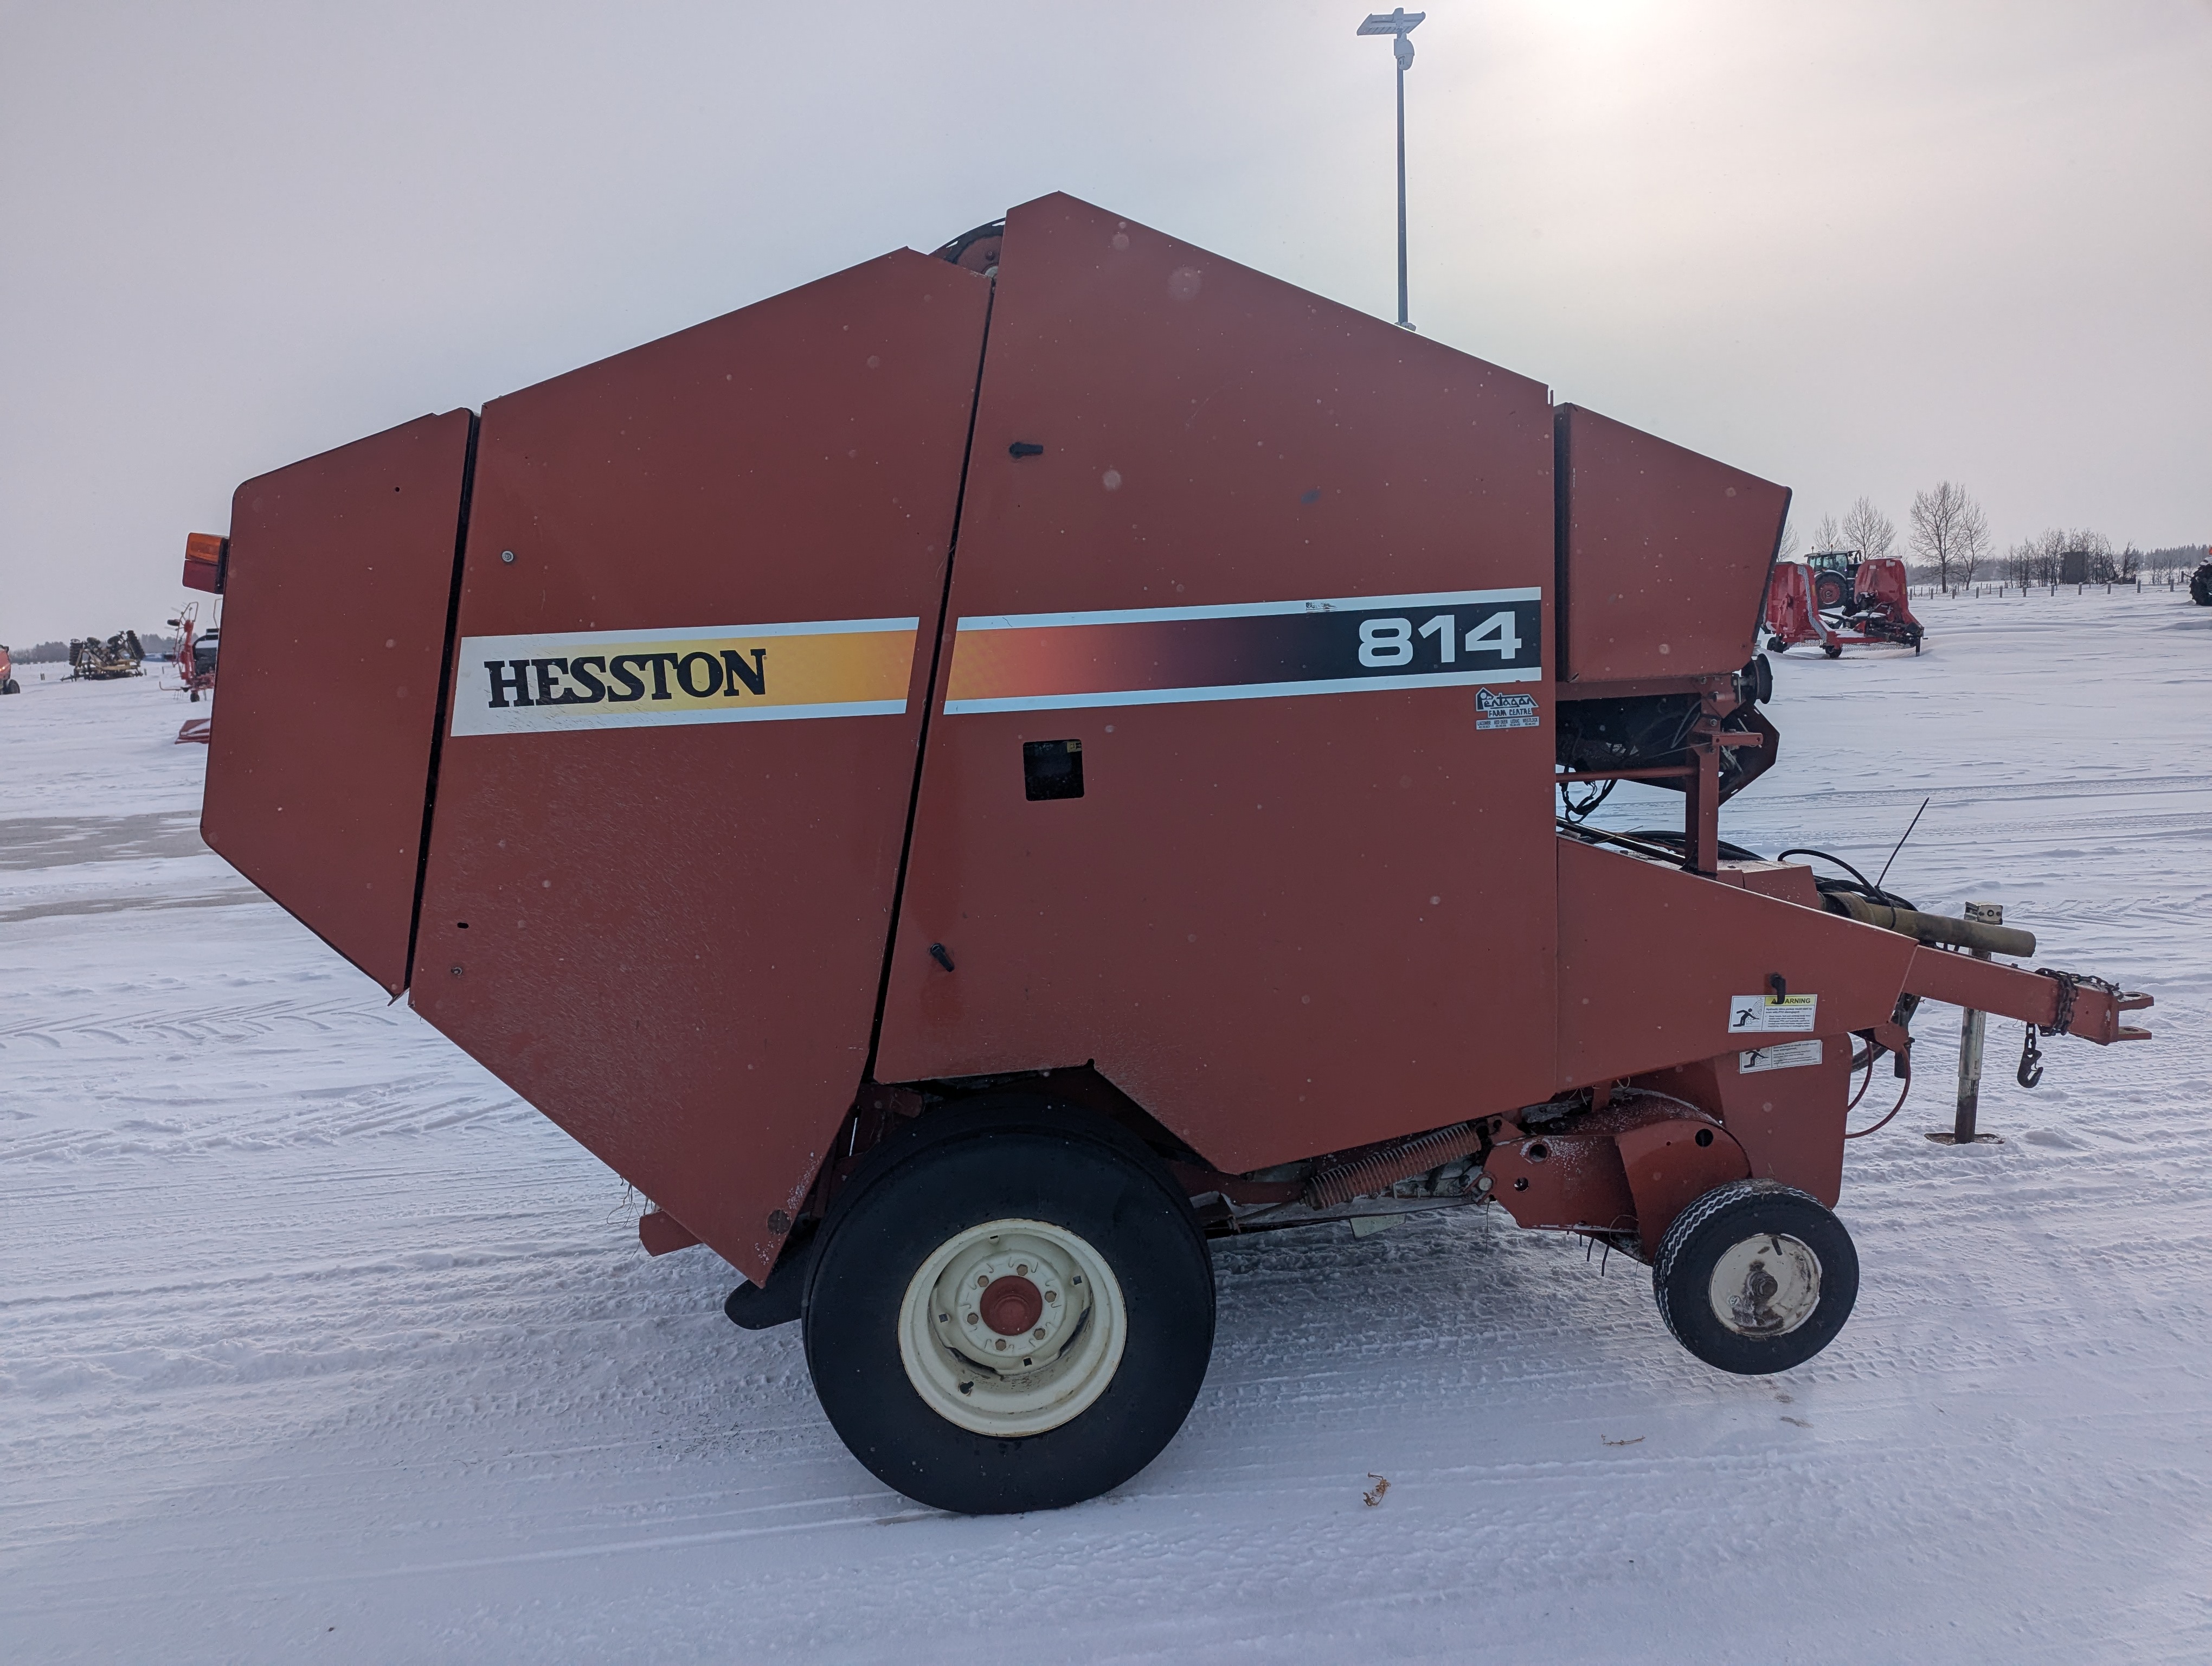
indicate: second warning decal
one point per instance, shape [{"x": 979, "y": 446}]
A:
[{"x": 1782, "y": 1055}]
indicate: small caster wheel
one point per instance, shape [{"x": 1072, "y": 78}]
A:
[
  {"x": 1833, "y": 650},
  {"x": 1775, "y": 645},
  {"x": 1755, "y": 1277}
]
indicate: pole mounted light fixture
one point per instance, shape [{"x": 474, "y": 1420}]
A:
[{"x": 1398, "y": 24}]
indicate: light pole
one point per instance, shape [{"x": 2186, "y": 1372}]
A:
[{"x": 1400, "y": 24}]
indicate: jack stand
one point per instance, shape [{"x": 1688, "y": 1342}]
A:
[{"x": 1971, "y": 1032}]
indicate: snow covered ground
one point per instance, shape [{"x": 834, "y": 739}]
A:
[{"x": 315, "y": 1344}]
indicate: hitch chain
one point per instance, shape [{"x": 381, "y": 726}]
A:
[{"x": 2070, "y": 983}]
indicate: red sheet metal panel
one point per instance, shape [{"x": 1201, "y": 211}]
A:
[
  {"x": 336, "y": 593},
  {"x": 685, "y": 713},
  {"x": 1664, "y": 554},
  {"x": 1652, "y": 959},
  {"x": 1304, "y": 901},
  {"x": 1668, "y": 1170},
  {"x": 1786, "y": 1112}
]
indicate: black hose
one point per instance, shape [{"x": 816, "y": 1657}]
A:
[
  {"x": 1577, "y": 809},
  {"x": 1865, "y": 887},
  {"x": 1729, "y": 853}
]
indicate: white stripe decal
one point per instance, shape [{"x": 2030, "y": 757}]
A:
[
  {"x": 1062, "y": 702},
  {"x": 1242, "y": 610}
]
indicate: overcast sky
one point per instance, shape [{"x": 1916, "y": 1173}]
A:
[{"x": 1854, "y": 248}]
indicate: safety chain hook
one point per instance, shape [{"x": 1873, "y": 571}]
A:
[{"x": 2062, "y": 1017}]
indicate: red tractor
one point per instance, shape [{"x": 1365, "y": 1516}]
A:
[
  {"x": 968, "y": 779},
  {"x": 8, "y": 682},
  {"x": 1838, "y": 600}
]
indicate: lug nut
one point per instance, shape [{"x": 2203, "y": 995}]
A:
[
  {"x": 1052, "y": 1295},
  {"x": 1037, "y": 1334},
  {"x": 975, "y": 1319},
  {"x": 1000, "y": 1344}
]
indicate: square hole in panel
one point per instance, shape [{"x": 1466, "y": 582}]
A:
[{"x": 1052, "y": 769}]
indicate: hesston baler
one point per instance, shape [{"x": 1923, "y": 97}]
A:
[{"x": 966, "y": 778}]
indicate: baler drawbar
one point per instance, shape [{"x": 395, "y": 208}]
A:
[{"x": 967, "y": 779}]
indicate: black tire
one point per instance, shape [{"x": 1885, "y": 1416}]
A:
[
  {"x": 958, "y": 1171},
  {"x": 1829, "y": 592},
  {"x": 1834, "y": 651},
  {"x": 1775, "y": 645},
  {"x": 1760, "y": 1339},
  {"x": 11, "y": 686}
]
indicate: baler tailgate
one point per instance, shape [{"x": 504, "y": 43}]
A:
[{"x": 336, "y": 595}]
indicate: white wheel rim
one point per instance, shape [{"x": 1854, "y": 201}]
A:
[
  {"x": 1766, "y": 1285},
  {"x": 1024, "y": 1381}
]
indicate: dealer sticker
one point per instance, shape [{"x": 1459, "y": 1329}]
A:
[
  {"x": 1768, "y": 1015},
  {"x": 1504, "y": 711},
  {"x": 1782, "y": 1055}
]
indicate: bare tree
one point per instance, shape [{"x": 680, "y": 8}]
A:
[
  {"x": 1938, "y": 517},
  {"x": 1787, "y": 545},
  {"x": 2042, "y": 559},
  {"x": 2034, "y": 560},
  {"x": 1828, "y": 535},
  {"x": 1868, "y": 530},
  {"x": 1972, "y": 546}
]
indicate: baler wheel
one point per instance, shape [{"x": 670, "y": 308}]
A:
[
  {"x": 1833, "y": 650},
  {"x": 1755, "y": 1277},
  {"x": 1012, "y": 1311}
]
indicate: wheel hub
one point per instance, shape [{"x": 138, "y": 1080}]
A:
[
  {"x": 1012, "y": 1328},
  {"x": 1765, "y": 1286},
  {"x": 1011, "y": 1305}
]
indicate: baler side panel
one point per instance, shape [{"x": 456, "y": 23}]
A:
[
  {"x": 1664, "y": 554},
  {"x": 336, "y": 603},
  {"x": 662, "y": 918},
  {"x": 1789, "y": 1122},
  {"x": 1285, "y": 923},
  {"x": 1650, "y": 957}
]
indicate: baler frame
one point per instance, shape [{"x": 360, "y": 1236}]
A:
[{"x": 1139, "y": 778}]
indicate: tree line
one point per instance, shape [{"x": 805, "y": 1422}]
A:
[{"x": 1948, "y": 544}]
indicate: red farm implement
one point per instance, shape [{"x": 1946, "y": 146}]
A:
[
  {"x": 969, "y": 778},
  {"x": 194, "y": 665},
  {"x": 1838, "y": 605}
]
